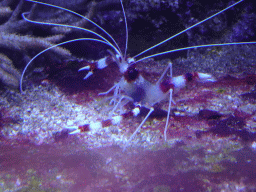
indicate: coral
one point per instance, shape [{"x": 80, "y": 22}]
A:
[
  {"x": 17, "y": 48},
  {"x": 9, "y": 75}
]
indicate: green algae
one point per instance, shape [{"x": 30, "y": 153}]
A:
[
  {"x": 191, "y": 148},
  {"x": 221, "y": 91},
  {"x": 216, "y": 158},
  {"x": 224, "y": 155},
  {"x": 162, "y": 188},
  {"x": 34, "y": 185},
  {"x": 217, "y": 168}
]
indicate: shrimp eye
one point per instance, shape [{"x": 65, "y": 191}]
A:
[{"x": 131, "y": 73}]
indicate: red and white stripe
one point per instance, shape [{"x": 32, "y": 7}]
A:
[
  {"x": 98, "y": 65},
  {"x": 179, "y": 82},
  {"x": 95, "y": 126}
]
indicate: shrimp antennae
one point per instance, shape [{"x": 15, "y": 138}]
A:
[
  {"x": 193, "y": 47},
  {"x": 126, "y": 29},
  {"x": 187, "y": 29},
  {"x": 62, "y": 8},
  {"x": 73, "y": 40},
  {"x": 70, "y": 26}
]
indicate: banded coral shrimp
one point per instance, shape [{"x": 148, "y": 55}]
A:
[{"x": 132, "y": 83}]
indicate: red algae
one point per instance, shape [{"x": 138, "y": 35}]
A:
[
  {"x": 97, "y": 163},
  {"x": 230, "y": 80},
  {"x": 5, "y": 118},
  {"x": 250, "y": 96},
  {"x": 83, "y": 163},
  {"x": 209, "y": 114},
  {"x": 56, "y": 165},
  {"x": 69, "y": 168}
]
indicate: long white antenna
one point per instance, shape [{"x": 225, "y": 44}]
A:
[
  {"x": 187, "y": 29},
  {"x": 62, "y": 8},
  {"x": 70, "y": 26},
  {"x": 126, "y": 29},
  {"x": 193, "y": 47}
]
